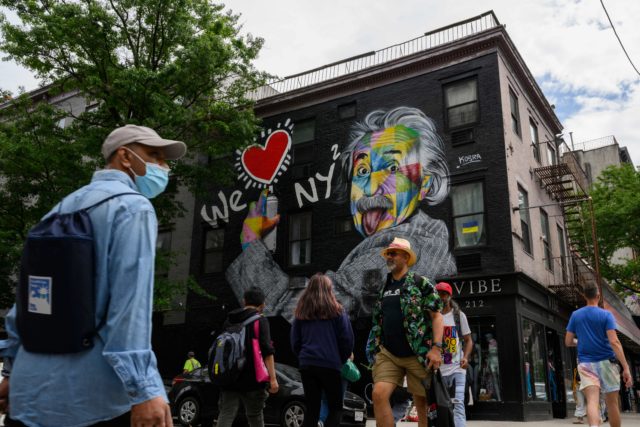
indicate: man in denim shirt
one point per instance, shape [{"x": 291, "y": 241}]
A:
[{"x": 117, "y": 381}]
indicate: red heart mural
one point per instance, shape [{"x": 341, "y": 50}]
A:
[{"x": 263, "y": 163}]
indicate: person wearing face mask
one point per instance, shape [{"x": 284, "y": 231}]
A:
[
  {"x": 116, "y": 382},
  {"x": 406, "y": 336}
]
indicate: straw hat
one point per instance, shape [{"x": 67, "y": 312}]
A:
[{"x": 400, "y": 244}]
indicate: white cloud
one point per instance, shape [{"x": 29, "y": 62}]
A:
[{"x": 568, "y": 42}]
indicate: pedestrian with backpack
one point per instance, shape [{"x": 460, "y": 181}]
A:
[
  {"x": 234, "y": 352},
  {"x": 322, "y": 339},
  {"x": 79, "y": 335},
  {"x": 457, "y": 348}
]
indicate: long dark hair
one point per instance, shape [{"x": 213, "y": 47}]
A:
[{"x": 318, "y": 301}]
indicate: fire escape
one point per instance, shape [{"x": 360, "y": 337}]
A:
[{"x": 567, "y": 183}]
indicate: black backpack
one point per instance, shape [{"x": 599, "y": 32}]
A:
[
  {"x": 228, "y": 354},
  {"x": 55, "y": 308}
]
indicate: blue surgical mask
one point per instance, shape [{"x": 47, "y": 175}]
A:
[{"x": 154, "y": 181}]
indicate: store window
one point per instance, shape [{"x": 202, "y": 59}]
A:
[
  {"x": 535, "y": 141},
  {"x": 535, "y": 360},
  {"x": 468, "y": 215},
  {"x": 515, "y": 113},
  {"x": 300, "y": 239},
  {"x": 484, "y": 367},
  {"x": 213, "y": 245},
  {"x": 546, "y": 240},
  {"x": 525, "y": 223},
  {"x": 461, "y": 103}
]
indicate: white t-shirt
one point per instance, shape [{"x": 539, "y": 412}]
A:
[{"x": 453, "y": 344}]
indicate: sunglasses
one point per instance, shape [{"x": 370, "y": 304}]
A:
[{"x": 392, "y": 253}]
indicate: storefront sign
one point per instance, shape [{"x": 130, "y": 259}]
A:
[{"x": 477, "y": 287}]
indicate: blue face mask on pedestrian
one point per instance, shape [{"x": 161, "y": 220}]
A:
[{"x": 154, "y": 181}]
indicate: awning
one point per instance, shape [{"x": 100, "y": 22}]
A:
[{"x": 624, "y": 325}]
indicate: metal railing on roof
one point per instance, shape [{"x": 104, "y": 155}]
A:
[
  {"x": 593, "y": 144},
  {"x": 429, "y": 40}
]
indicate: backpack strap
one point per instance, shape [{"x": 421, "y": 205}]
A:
[
  {"x": 113, "y": 196},
  {"x": 250, "y": 319}
]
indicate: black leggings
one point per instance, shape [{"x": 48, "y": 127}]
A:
[{"x": 314, "y": 380}]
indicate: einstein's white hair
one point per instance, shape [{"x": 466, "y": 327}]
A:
[{"x": 430, "y": 149}]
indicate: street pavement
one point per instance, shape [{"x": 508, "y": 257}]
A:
[{"x": 628, "y": 419}]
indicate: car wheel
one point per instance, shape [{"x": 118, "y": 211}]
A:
[
  {"x": 293, "y": 414},
  {"x": 189, "y": 411}
]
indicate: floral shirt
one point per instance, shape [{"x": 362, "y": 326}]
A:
[{"x": 416, "y": 297}]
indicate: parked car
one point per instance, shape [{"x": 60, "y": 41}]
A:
[{"x": 194, "y": 401}]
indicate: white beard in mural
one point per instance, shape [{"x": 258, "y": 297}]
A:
[{"x": 395, "y": 161}]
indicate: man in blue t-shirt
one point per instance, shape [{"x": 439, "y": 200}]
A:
[{"x": 598, "y": 348}]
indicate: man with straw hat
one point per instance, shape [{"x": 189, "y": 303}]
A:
[{"x": 402, "y": 305}]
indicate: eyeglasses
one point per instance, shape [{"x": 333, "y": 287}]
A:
[{"x": 392, "y": 253}]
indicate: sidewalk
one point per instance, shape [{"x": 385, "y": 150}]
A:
[{"x": 628, "y": 419}]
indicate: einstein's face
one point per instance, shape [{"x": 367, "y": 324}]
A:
[{"x": 387, "y": 182}]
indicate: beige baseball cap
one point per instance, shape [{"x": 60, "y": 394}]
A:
[{"x": 129, "y": 134}]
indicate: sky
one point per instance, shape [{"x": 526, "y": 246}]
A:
[{"x": 568, "y": 45}]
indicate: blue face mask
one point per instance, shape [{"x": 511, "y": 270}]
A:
[{"x": 154, "y": 181}]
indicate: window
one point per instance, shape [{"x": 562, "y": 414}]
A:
[
  {"x": 535, "y": 362},
  {"x": 544, "y": 225},
  {"x": 461, "y": 103},
  {"x": 343, "y": 225},
  {"x": 525, "y": 224},
  {"x": 468, "y": 215},
  {"x": 535, "y": 142},
  {"x": 347, "y": 111},
  {"x": 213, "y": 251},
  {"x": 563, "y": 254},
  {"x": 515, "y": 113},
  {"x": 551, "y": 154},
  {"x": 484, "y": 364},
  {"x": 300, "y": 239},
  {"x": 303, "y": 131}
]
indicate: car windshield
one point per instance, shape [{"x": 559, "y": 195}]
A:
[{"x": 289, "y": 372}]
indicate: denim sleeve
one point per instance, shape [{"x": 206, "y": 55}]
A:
[
  {"x": 9, "y": 346},
  {"x": 127, "y": 332}
]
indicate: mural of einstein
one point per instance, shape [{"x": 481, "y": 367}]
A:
[{"x": 394, "y": 160}]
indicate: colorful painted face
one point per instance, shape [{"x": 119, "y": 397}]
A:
[{"x": 387, "y": 182}]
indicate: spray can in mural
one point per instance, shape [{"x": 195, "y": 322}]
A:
[{"x": 271, "y": 210}]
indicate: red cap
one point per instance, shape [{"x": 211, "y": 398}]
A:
[{"x": 445, "y": 287}]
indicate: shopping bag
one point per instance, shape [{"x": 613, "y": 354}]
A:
[
  {"x": 262, "y": 375},
  {"x": 440, "y": 411},
  {"x": 350, "y": 371}
]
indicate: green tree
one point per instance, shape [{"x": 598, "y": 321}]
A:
[
  {"x": 181, "y": 67},
  {"x": 616, "y": 208}
]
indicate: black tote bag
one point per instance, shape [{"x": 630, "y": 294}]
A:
[{"x": 440, "y": 411}]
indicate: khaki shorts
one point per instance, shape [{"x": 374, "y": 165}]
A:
[{"x": 391, "y": 369}]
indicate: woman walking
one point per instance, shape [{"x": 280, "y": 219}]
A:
[{"x": 322, "y": 338}]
